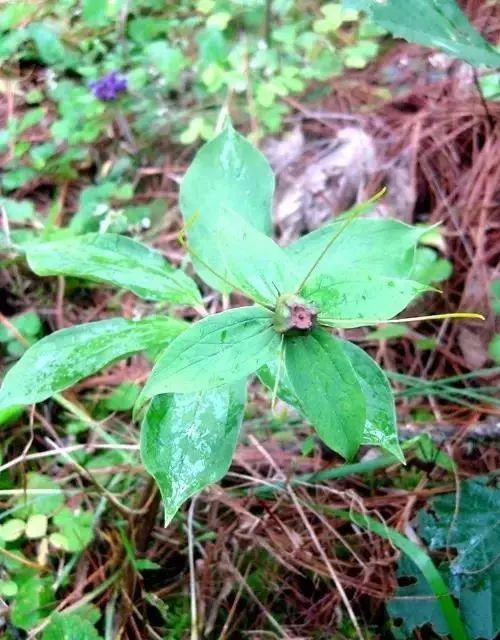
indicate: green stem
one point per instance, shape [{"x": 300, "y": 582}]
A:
[{"x": 345, "y": 322}]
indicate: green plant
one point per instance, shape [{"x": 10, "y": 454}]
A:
[
  {"x": 435, "y": 585},
  {"x": 494, "y": 345},
  {"x": 466, "y": 521},
  {"x": 432, "y": 23},
  {"x": 173, "y": 64},
  {"x": 180, "y": 60},
  {"x": 351, "y": 273},
  {"x": 38, "y": 518}
]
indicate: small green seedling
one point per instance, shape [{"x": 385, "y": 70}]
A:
[{"x": 351, "y": 273}]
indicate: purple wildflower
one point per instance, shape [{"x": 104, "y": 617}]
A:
[{"x": 109, "y": 86}]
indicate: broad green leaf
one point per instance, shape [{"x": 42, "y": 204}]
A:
[
  {"x": 188, "y": 440},
  {"x": 18, "y": 210},
  {"x": 468, "y": 523},
  {"x": 76, "y": 527},
  {"x": 116, "y": 260},
  {"x": 123, "y": 397},
  {"x": 32, "y": 602},
  {"x": 471, "y": 526},
  {"x": 432, "y": 23},
  {"x": 69, "y": 626},
  {"x": 360, "y": 298},
  {"x": 328, "y": 389},
  {"x": 382, "y": 247},
  {"x": 66, "y": 356},
  {"x": 228, "y": 175},
  {"x": 414, "y": 604},
  {"x": 380, "y": 427},
  {"x": 168, "y": 60},
  {"x": 36, "y": 526},
  {"x": 12, "y": 529},
  {"x": 8, "y": 588},
  {"x": 267, "y": 375},
  {"x": 254, "y": 263},
  {"x": 28, "y": 325},
  {"x": 421, "y": 559},
  {"x": 10, "y": 414},
  {"x": 96, "y": 13},
  {"x": 429, "y": 268},
  {"x": 49, "y": 46},
  {"x": 13, "y": 14},
  {"x": 217, "y": 350}
]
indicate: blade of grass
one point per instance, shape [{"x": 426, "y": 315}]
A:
[
  {"x": 358, "y": 468},
  {"x": 478, "y": 373},
  {"x": 446, "y": 389}
]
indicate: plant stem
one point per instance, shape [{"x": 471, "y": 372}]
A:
[
  {"x": 342, "y": 322},
  {"x": 192, "y": 571}
]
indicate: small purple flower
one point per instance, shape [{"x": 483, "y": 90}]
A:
[{"x": 109, "y": 86}]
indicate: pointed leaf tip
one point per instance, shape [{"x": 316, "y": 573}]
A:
[
  {"x": 188, "y": 440},
  {"x": 64, "y": 357}
]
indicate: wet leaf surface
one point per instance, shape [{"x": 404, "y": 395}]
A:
[
  {"x": 467, "y": 522},
  {"x": 116, "y": 260},
  {"x": 360, "y": 298},
  {"x": 66, "y": 356},
  {"x": 228, "y": 175},
  {"x": 380, "y": 427},
  {"x": 188, "y": 440},
  {"x": 387, "y": 246}
]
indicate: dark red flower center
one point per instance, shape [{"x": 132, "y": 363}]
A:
[{"x": 302, "y": 317}]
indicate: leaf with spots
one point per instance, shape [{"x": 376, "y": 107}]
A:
[
  {"x": 117, "y": 260},
  {"x": 188, "y": 440},
  {"x": 380, "y": 425},
  {"x": 66, "y": 356},
  {"x": 380, "y": 428},
  {"x": 381, "y": 247},
  {"x": 217, "y": 350}
]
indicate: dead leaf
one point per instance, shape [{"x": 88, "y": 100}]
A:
[{"x": 316, "y": 183}]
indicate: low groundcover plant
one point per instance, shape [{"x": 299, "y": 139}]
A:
[{"x": 353, "y": 272}]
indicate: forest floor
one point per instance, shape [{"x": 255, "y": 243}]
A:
[{"x": 271, "y": 552}]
